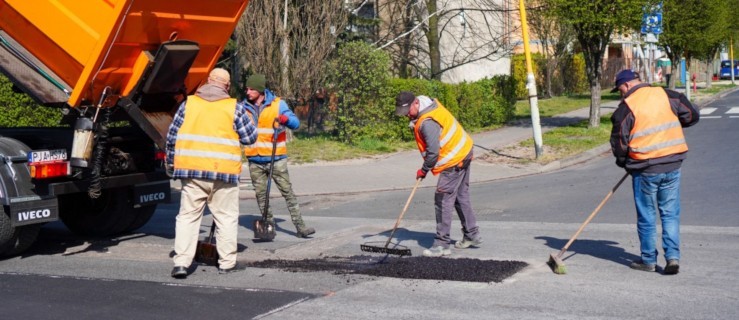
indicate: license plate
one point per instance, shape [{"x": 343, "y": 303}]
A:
[{"x": 41, "y": 156}]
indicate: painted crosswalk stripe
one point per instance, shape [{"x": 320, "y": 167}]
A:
[
  {"x": 733, "y": 110},
  {"x": 707, "y": 110}
]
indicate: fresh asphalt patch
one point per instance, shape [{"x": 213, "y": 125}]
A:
[{"x": 452, "y": 269}]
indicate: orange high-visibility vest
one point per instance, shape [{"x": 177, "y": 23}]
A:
[
  {"x": 657, "y": 131},
  {"x": 206, "y": 140},
  {"x": 265, "y": 133},
  {"x": 454, "y": 143}
]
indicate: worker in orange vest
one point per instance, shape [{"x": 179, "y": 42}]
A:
[
  {"x": 446, "y": 149},
  {"x": 647, "y": 140},
  {"x": 204, "y": 151}
]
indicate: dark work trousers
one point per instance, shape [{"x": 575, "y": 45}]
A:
[{"x": 453, "y": 193}]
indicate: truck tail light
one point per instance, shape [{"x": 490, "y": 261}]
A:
[
  {"x": 160, "y": 155},
  {"x": 50, "y": 170}
]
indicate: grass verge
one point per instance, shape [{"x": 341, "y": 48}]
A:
[
  {"x": 306, "y": 148},
  {"x": 562, "y": 142}
]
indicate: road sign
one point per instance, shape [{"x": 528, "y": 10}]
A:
[{"x": 652, "y": 20}]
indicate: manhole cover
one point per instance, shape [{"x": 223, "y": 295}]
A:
[{"x": 452, "y": 269}]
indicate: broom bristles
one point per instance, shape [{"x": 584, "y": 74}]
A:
[
  {"x": 393, "y": 251},
  {"x": 557, "y": 265}
]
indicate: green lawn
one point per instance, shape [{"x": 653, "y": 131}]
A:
[{"x": 559, "y": 105}]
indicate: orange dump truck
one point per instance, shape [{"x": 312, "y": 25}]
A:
[{"x": 117, "y": 70}]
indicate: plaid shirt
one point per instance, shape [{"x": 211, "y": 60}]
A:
[{"x": 243, "y": 125}]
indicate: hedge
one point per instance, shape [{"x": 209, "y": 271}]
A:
[{"x": 19, "y": 110}]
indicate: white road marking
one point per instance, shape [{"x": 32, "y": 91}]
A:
[
  {"x": 707, "y": 110},
  {"x": 710, "y": 117},
  {"x": 734, "y": 110}
]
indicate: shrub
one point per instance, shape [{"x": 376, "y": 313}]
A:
[
  {"x": 19, "y": 110},
  {"x": 358, "y": 75}
]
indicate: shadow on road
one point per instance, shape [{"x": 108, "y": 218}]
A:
[{"x": 603, "y": 249}]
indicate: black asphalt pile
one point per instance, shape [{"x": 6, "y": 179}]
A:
[{"x": 459, "y": 269}]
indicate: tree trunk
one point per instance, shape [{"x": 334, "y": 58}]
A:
[
  {"x": 709, "y": 73},
  {"x": 594, "y": 67},
  {"x": 432, "y": 36},
  {"x": 594, "y": 104}
]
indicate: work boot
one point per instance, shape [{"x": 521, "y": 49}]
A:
[
  {"x": 304, "y": 232},
  {"x": 179, "y": 272},
  {"x": 466, "y": 243},
  {"x": 437, "y": 251},
  {"x": 672, "y": 267},
  {"x": 641, "y": 266}
]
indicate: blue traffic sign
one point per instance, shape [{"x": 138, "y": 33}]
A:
[{"x": 652, "y": 20}]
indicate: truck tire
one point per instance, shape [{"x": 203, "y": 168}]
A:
[
  {"x": 110, "y": 214},
  {"x": 6, "y": 232},
  {"x": 14, "y": 241},
  {"x": 144, "y": 215}
]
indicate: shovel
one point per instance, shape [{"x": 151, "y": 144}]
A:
[
  {"x": 263, "y": 229},
  {"x": 206, "y": 251}
]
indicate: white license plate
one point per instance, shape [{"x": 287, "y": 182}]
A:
[{"x": 40, "y": 156}]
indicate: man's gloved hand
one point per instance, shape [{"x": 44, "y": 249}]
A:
[
  {"x": 420, "y": 174},
  {"x": 170, "y": 170},
  {"x": 282, "y": 119}
]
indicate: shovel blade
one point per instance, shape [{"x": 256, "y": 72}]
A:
[
  {"x": 264, "y": 230},
  {"x": 206, "y": 253}
]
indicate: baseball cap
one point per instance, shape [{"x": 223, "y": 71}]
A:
[
  {"x": 623, "y": 77},
  {"x": 403, "y": 102}
]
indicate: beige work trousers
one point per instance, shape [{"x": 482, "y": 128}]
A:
[{"x": 223, "y": 201}]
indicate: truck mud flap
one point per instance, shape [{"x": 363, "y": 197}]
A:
[
  {"x": 151, "y": 193},
  {"x": 32, "y": 210}
]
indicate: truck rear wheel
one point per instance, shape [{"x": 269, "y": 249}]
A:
[
  {"x": 14, "y": 240},
  {"x": 111, "y": 213}
]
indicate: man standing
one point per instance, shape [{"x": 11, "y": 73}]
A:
[
  {"x": 647, "y": 140},
  {"x": 266, "y": 109},
  {"x": 447, "y": 151},
  {"x": 203, "y": 150}
]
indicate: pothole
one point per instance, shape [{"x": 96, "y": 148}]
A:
[{"x": 451, "y": 269}]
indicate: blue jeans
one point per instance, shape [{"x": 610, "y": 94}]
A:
[{"x": 655, "y": 192}]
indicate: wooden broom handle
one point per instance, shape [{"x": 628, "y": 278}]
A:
[
  {"x": 408, "y": 202},
  {"x": 592, "y": 215}
]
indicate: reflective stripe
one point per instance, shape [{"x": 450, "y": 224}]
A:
[
  {"x": 267, "y": 145},
  {"x": 207, "y": 139},
  {"x": 265, "y": 131},
  {"x": 207, "y": 154},
  {"x": 659, "y": 146},
  {"x": 449, "y": 134},
  {"x": 454, "y": 152},
  {"x": 656, "y": 129}
]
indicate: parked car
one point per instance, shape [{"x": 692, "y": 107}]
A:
[{"x": 725, "y": 72}]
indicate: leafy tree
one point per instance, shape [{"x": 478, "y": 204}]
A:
[
  {"x": 694, "y": 29},
  {"x": 594, "y": 22}
]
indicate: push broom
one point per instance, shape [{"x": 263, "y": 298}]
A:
[
  {"x": 555, "y": 260},
  {"x": 397, "y": 249}
]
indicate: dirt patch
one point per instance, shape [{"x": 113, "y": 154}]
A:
[
  {"x": 459, "y": 269},
  {"x": 515, "y": 156}
]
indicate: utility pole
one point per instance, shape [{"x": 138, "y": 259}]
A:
[
  {"x": 731, "y": 58},
  {"x": 531, "y": 82}
]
